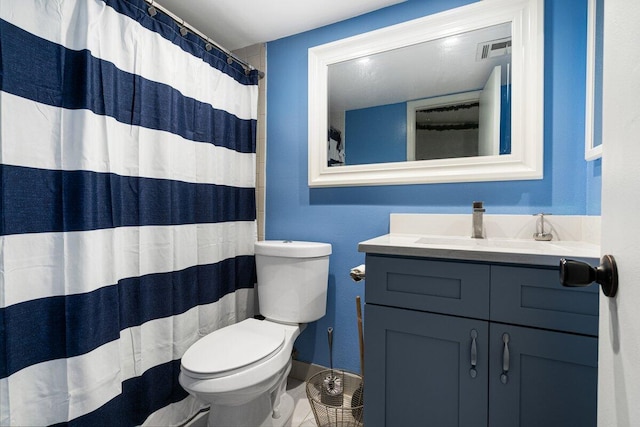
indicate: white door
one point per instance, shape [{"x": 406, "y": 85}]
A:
[
  {"x": 489, "y": 115},
  {"x": 619, "y": 344}
]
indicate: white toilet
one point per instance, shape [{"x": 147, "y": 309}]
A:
[{"x": 242, "y": 369}]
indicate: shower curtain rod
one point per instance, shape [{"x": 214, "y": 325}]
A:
[{"x": 184, "y": 27}]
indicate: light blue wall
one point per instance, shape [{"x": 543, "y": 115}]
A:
[
  {"x": 376, "y": 134},
  {"x": 346, "y": 216}
]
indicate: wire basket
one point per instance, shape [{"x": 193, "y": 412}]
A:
[{"x": 336, "y": 407}]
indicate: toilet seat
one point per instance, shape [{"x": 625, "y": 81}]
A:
[{"x": 233, "y": 348}]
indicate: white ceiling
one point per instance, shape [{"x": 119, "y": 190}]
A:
[
  {"x": 239, "y": 23},
  {"x": 443, "y": 66}
]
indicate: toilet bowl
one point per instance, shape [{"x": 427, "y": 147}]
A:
[{"x": 241, "y": 370}]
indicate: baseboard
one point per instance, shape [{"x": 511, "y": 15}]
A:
[{"x": 302, "y": 371}]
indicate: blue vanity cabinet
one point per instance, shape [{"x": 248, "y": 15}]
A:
[{"x": 436, "y": 355}]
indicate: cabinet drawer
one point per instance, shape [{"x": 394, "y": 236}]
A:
[
  {"x": 535, "y": 297},
  {"x": 422, "y": 284}
]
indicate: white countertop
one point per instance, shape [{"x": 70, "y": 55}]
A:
[
  {"x": 489, "y": 250},
  {"x": 440, "y": 236}
]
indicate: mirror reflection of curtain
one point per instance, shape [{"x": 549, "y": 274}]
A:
[{"x": 127, "y": 193}]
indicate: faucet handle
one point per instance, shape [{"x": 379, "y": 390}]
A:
[{"x": 540, "y": 234}]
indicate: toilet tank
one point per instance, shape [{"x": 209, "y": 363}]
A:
[{"x": 292, "y": 280}]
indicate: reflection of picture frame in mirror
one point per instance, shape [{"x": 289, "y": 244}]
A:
[
  {"x": 468, "y": 124},
  {"x": 443, "y": 127},
  {"x": 593, "y": 116}
]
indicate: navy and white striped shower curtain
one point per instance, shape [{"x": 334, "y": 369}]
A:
[{"x": 127, "y": 197}]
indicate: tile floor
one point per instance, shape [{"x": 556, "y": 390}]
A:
[{"x": 302, "y": 414}]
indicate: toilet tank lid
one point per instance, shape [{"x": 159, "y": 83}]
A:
[{"x": 292, "y": 249}]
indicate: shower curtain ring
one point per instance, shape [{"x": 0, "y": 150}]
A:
[
  {"x": 152, "y": 10},
  {"x": 183, "y": 29}
]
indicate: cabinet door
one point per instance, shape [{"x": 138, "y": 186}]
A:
[
  {"x": 418, "y": 369},
  {"x": 550, "y": 379}
]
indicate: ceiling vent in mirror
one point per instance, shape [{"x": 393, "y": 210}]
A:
[{"x": 493, "y": 49}]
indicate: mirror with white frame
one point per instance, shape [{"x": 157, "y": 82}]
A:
[{"x": 366, "y": 128}]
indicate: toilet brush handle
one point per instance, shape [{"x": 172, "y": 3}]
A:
[
  {"x": 330, "y": 338},
  {"x": 360, "y": 334}
]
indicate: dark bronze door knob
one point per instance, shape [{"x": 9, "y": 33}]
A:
[{"x": 577, "y": 273}]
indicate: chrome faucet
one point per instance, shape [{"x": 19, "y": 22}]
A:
[
  {"x": 540, "y": 234},
  {"x": 477, "y": 228}
]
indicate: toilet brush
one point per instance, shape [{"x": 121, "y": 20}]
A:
[{"x": 331, "y": 393}]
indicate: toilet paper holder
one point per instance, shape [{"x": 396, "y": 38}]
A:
[{"x": 358, "y": 273}]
